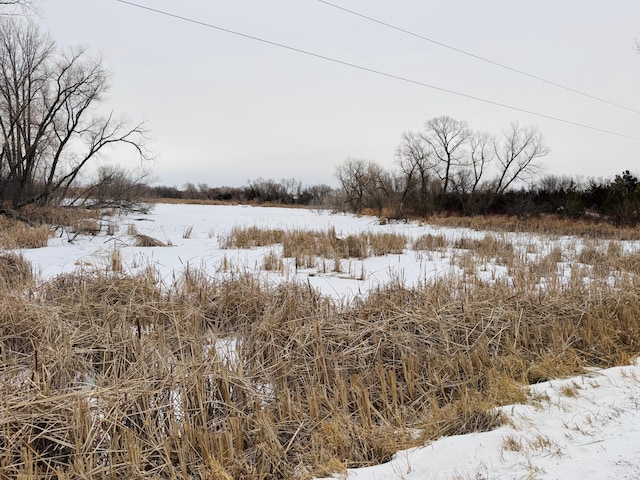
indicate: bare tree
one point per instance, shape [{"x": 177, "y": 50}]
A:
[
  {"x": 292, "y": 189},
  {"x": 415, "y": 159},
  {"x": 379, "y": 188},
  {"x": 354, "y": 179},
  {"x": 365, "y": 185},
  {"x": 48, "y": 134},
  {"x": 481, "y": 157},
  {"x": 516, "y": 156},
  {"x": 446, "y": 137}
]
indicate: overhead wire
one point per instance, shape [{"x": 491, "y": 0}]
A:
[
  {"x": 374, "y": 71},
  {"x": 481, "y": 58}
]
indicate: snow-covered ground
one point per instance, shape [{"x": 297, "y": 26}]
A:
[
  {"x": 207, "y": 225},
  {"x": 582, "y": 428}
]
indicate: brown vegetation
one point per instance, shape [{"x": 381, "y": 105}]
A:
[
  {"x": 14, "y": 271},
  {"x": 114, "y": 376},
  {"x": 541, "y": 224},
  {"x": 17, "y": 234},
  {"x": 308, "y": 248},
  {"x": 141, "y": 240}
]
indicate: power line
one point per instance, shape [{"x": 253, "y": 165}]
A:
[
  {"x": 377, "y": 72},
  {"x": 483, "y": 59}
]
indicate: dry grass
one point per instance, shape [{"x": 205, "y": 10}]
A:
[
  {"x": 131, "y": 229},
  {"x": 430, "y": 242},
  {"x": 272, "y": 262},
  {"x": 87, "y": 226},
  {"x": 42, "y": 221},
  {"x": 15, "y": 271},
  {"x": 116, "y": 376},
  {"x": 543, "y": 224},
  {"x": 190, "y": 201},
  {"x": 188, "y": 232},
  {"x": 141, "y": 240},
  {"x": 15, "y": 234},
  {"x": 310, "y": 248},
  {"x": 55, "y": 215},
  {"x": 251, "y": 237}
]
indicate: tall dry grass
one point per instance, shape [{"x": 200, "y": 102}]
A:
[
  {"x": 15, "y": 271},
  {"x": 114, "y": 376},
  {"x": 311, "y": 249},
  {"x": 16, "y": 234},
  {"x": 542, "y": 224}
]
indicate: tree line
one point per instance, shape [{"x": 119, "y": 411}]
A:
[
  {"x": 287, "y": 191},
  {"x": 448, "y": 168}
]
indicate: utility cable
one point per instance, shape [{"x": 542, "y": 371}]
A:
[
  {"x": 478, "y": 57},
  {"x": 377, "y": 72}
]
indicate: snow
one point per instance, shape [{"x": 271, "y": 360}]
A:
[
  {"x": 586, "y": 427},
  {"x": 169, "y": 223}
]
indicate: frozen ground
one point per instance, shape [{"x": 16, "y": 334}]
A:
[{"x": 582, "y": 428}]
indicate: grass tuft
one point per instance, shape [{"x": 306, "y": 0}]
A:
[
  {"x": 140, "y": 240},
  {"x": 14, "y": 271},
  {"x": 16, "y": 234}
]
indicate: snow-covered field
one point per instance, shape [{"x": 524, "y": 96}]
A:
[
  {"x": 205, "y": 226},
  {"x": 582, "y": 428},
  {"x": 208, "y": 224}
]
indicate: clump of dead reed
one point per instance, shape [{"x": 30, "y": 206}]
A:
[
  {"x": 58, "y": 215},
  {"x": 17, "y": 234},
  {"x": 86, "y": 226},
  {"x": 272, "y": 262},
  {"x": 251, "y": 237},
  {"x": 429, "y": 242},
  {"x": 308, "y": 248},
  {"x": 14, "y": 270},
  {"x": 141, "y": 240}
]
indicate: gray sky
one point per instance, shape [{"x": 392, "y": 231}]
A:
[{"x": 224, "y": 109}]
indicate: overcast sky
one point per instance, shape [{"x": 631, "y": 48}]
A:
[{"x": 223, "y": 109}]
